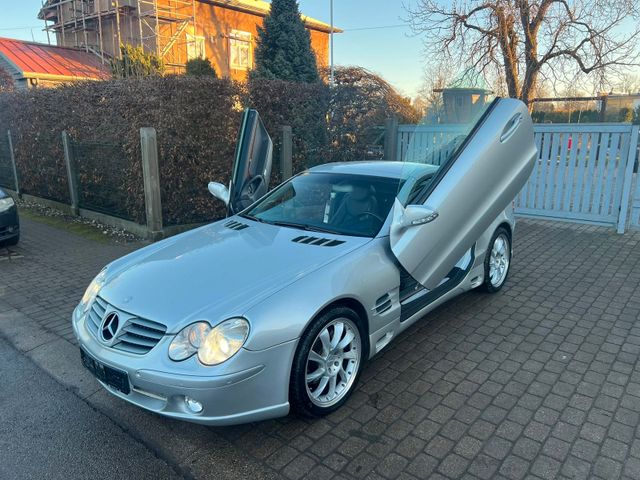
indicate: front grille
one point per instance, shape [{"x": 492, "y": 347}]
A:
[{"x": 135, "y": 335}]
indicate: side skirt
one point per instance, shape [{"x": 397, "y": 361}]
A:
[{"x": 414, "y": 297}]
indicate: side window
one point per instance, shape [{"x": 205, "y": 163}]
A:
[
  {"x": 240, "y": 57},
  {"x": 195, "y": 47},
  {"x": 416, "y": 196}
]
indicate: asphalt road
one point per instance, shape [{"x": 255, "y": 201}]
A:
[{"x": 48, "y": 432}]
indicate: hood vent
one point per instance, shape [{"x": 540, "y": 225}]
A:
[
  {"x": 383, "y": 304},
  {"x": 320, "y": 242},
  {"x": 233, "y": 225}
]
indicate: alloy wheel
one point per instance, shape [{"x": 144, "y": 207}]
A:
[
  {"x": 333, "y": 362},
  {"x": 499, "y": 260}
]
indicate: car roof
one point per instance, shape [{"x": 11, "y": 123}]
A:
[
  {"x": 379, "y": 168},
  {"x": 3, "y": 193}
]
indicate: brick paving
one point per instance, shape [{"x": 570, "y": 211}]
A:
[{"x": 538, "y": 381}]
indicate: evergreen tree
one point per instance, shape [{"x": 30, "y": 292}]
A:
[{"x": 284, "y": 46}]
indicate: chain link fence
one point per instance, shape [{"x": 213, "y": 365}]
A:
[
  {"x": 185, "y": 171},
  {"x": 109, "y": 179},
  {"x": 7, "y": 179}
]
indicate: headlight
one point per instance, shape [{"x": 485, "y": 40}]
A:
[
  {"x": 188, "y": 340},
  {"x": 92, "y": 290},
  {"x": 6, "y": 203},
  {"x": 213, "y": 345}
]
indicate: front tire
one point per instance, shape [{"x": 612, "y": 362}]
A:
[
  {"x": 327, "y": 363},
  {"x": 497, "y": 261}
]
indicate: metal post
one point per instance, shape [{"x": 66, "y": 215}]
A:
[
  {"x": 71, "y": 173},
  {"x": 157, "y": 28},
  {"x": 151, "y": 178},
  {"x": 140, "y": 24},
  {"x": 286, "y": 153},
  {"x": 118, "y": 28},
  {"x": 331, "y": 74},
  {"x": 13, "y": 163},
  {"x": 100, "y": 33},
  {"x": 63, "y": 28},
  {"x": 391, "y": 139}
]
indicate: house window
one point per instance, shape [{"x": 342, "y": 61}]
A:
[
  {"x": 240, "y": 57},
  {"x": 195, "y": 47}
]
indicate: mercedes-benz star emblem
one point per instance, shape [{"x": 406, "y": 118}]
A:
[{"x": 109, "y": 326}]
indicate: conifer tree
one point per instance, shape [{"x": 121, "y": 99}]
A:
[{"x": 284, "y": 46}]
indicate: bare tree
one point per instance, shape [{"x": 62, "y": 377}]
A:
[{"x": 521, "y": 41}]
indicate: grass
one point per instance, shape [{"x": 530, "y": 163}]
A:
[{"x": 87, "y": 231}]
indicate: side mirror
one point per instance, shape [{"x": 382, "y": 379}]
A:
[
  {"x": 417, "y": 215},
  {"x": 219, "y": 191}
]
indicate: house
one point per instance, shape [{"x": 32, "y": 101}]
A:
[
  {"x": 462, "y": 104},
  {"x": 32, "y": 64},
  {"x": 224, "y": 31}
]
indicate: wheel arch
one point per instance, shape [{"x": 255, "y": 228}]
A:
[
  {"x": 507, "y": 226},
  {"x": 353, "y": 304}
]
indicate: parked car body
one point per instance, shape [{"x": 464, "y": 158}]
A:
[
  {"x": 9, "y": 221},
  {"x": 280, "y": 305}
]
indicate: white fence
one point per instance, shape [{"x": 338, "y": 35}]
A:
[{"x": 584, "y": 172}]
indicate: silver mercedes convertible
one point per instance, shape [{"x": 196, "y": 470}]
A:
[{"x": 279, "y": 306}]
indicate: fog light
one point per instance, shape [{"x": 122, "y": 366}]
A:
[{"x": 193, "y": 405}]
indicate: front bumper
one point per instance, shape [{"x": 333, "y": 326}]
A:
[
  {"x": 9, "y": 224},
  {"x": 251, "y": 386}
]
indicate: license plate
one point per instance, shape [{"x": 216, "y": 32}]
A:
[{"x": 112, "y": 377}]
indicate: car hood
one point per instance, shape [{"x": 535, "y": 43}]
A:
[{"x": 216, "y": 271}]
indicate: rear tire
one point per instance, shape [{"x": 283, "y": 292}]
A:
[
  {"x": 497, "y": 261},
  {"x": 327, "y": 363}
]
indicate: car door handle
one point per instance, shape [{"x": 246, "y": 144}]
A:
[{"x": 511, "y": 127}]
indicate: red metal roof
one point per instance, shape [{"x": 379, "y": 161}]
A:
[{"x": 41, "y": 60}]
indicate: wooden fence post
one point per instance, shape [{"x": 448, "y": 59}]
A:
[
  {"x": 391, "y": 139},
  {"x": 72, "y": 176},
  {"x": 151, "y": 178},
  {"x": 13, "y": 164},
  {"x": 286, "y": 153}
]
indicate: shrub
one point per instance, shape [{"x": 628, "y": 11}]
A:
[
  {"x": 197, "y": 120},
  {"x": 135, "y": 62},
  {"x": 200, "y": 66}
]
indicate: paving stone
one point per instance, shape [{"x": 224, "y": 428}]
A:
[{"x": 539, "y": 380}]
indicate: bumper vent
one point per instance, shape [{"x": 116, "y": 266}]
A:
[
  {"x": 135, "y": 335},
  {"x": 320, "y": 242},
  {"x": 233, "y": 225}
]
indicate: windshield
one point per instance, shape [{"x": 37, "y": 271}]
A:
[{"x": 344, "y": 204}]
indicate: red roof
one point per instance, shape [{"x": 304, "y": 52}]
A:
[{"x": 41, "y": 60}]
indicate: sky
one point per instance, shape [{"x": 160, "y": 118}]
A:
[{"x": 375, "y": 36}]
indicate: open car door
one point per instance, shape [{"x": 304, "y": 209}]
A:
[
  {"x": 466, "y": 194},
  {"x": 252, "y": 164}
]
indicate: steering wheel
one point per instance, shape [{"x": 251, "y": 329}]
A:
[{"x": 371, "y": 214}]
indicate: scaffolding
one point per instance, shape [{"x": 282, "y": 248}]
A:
[{"x": 103, "y": 26}]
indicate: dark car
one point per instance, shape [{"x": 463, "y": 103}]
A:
[{"x": 9, "y": 223}]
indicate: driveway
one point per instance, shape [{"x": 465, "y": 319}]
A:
[{"x": 540, "y": 380}]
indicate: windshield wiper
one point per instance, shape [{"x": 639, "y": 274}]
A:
[
  {"x": 303, "y": 226},
  {"x": 251, "y": 217}
]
